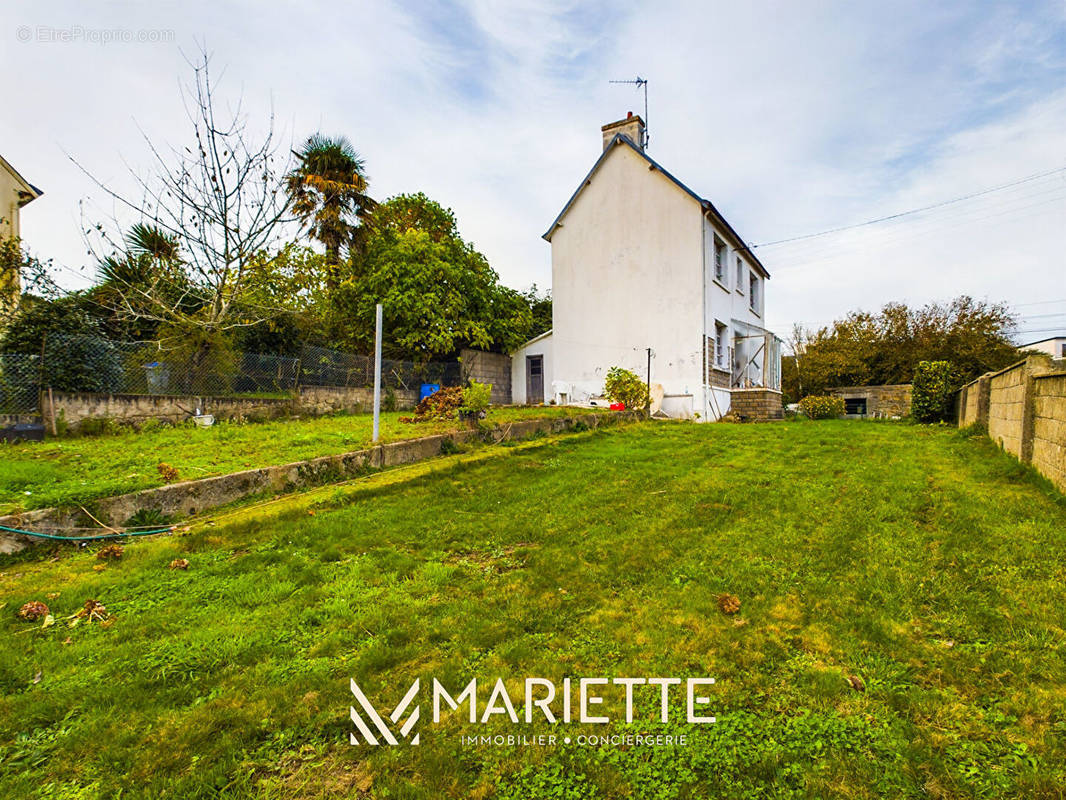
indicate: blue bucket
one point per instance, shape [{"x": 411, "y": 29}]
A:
[{"x": 428, "y": 389}]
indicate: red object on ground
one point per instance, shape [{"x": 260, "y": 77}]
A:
[{"x": 618, "y": 406}]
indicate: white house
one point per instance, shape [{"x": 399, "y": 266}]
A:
[
  {"x": 641, "y": 262},
  {"x": 1054, "y": 346}
]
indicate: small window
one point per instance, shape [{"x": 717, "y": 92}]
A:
[
  {"x": 740, "y": 275},
  {"x": 855, "y": 406},
  {"x": 753, "y": 292},
  {"x": 719, "y": 260},
  {"x": 721, "y": 334}
]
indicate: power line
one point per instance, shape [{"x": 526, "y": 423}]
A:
[{"x": 913, "y": 210}]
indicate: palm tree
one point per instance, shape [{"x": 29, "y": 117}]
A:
[{"x": 328, "y": 188}]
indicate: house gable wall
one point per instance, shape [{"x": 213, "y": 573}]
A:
[{"x": 626, "y": 275}]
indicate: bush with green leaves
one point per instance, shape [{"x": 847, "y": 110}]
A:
[
  {"x": 623, "y": 386},
  {"x": 817, "y": 406},
  {"x": 933, "y": 391},
  {"x": 476, "y": 397}
]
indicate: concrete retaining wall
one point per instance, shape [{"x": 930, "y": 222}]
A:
[
  {"x": 1024, "y": 409},
  {"x": 190, "y": 498}
]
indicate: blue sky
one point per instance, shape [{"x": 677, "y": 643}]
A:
[{"x": 791, "y": 117}]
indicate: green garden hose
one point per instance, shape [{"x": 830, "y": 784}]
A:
[{"x": 121, "y": 535}]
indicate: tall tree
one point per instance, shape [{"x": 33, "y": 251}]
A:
[
  {"x": 215, "y": 208},
  {"x": 884, "y": 348},
  {"x": 439, "y": 292},
  {"x": 328, "y": 189}
]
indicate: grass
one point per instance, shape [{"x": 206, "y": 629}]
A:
[
  {"x": 924, "y": 562},
  {"x": 75, "y": 470}
]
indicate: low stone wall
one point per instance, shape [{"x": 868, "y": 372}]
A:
[
  {"x": 1024, "y": 410},
  {"x": 319, "y": 400},
  {"x": 494, "y": 368},
  {"x": 885, "y": 400},
  {"x": 756, "y": 404},
  {"x": 74, "y": 408},
  {"x": 190, "y": 498}
]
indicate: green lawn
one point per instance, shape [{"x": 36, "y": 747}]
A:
[
  {"x": 927, "y": 564},
  {"x": 69, "y": 471}
]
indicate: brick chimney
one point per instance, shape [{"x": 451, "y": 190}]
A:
[{"x": 632, "y": 127}]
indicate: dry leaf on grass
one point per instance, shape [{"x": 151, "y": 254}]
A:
[
  {"x": 856, "y": 683},
  {"x": 728, "y": 603},
  {"x": 33, "y": 611},
  {"x": 179, "y": 563},
  {"x": 112, "y": 551}
]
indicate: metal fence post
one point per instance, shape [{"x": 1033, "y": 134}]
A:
[{"x": 377, "y": 374}]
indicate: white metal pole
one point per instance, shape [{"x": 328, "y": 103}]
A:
[{"x": 377, "y": 375}]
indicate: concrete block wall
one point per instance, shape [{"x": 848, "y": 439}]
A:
[
  {"x": 1007, "y": 409},
  {"x": 1049, "y": 427},
  {"x": 494, "y": 368},
  {"x": 1024, "y": 408}
]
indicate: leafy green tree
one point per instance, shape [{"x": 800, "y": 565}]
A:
[
  {"x": 884, "y": 348},
  {"x": 540, "y": 309},
  {"x": 74, "y": 354},
  {"x": 21, "y": 272},
  {"x": 439, "y": 293},
  {"x": 328, "y": 190}
]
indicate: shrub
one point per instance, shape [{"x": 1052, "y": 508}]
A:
[
  {"x": 933, "y": 391},
  {"x": 476, "y": 398},
  {"x": 623, "y": 386},
  {"x": 822, "y": 406}
]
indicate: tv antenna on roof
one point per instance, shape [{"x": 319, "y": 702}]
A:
[{"x": 640, "y": 82}]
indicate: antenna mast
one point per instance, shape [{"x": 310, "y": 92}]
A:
[{"x": 641, "y": 83}]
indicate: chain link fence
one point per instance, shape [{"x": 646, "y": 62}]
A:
[{"x": 92, "y": 364}]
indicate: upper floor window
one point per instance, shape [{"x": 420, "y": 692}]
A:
[
  {"x": 753, "y": 292},
  {"x": 740, "y": 275},
  {"x": 719, "y": 260}
]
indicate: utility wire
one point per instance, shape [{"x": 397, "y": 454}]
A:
[{"x": 913, "y": 210}]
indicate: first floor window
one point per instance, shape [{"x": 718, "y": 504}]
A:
[
  {"x": 719, "y": 260},
  {"x": 721, "y": 333}
]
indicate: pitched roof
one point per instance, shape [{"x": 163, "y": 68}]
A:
[
  {"x": 706, "y": 205},
  {"x": 28, "y": 191}
]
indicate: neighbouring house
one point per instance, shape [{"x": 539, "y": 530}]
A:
[
  {"x": 890, "y": 401},
  {"x": 642, "y": 266},
  {"x": 1054, "y": 347},
  {"x": 15, "y": 192}
]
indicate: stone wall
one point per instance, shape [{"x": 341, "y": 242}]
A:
[
  {"x": 494, "y": 368},
  {"x": 74, "y": 408},
  {"x": 756, "y": 404},
  {"x": 1024, "y": 410},
  {"x": 887, "y": 400}
]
